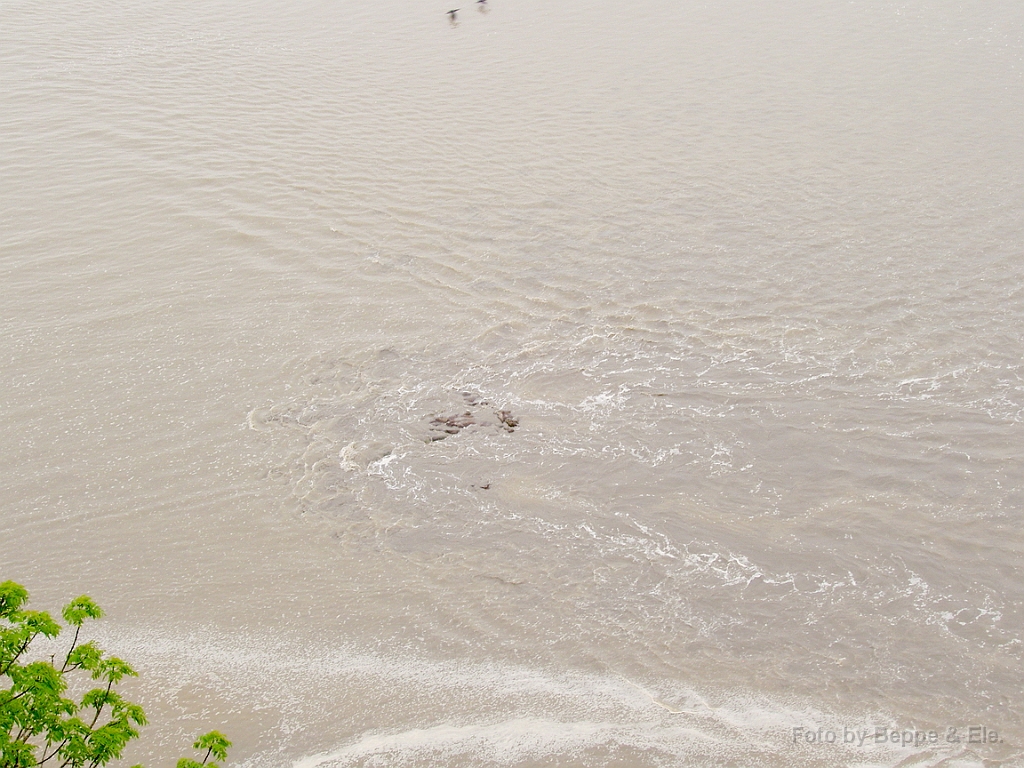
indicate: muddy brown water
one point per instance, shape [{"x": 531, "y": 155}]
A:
[{"x": 717, "y": 307}]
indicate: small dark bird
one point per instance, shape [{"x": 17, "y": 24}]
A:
[
  {"x": 451, "y": 13},
  {"x": 481, "y": 2}
]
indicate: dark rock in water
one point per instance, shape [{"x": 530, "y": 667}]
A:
[
  {"x": 508, "y": 423},
  {"x": 443, "y": 426},
  {"x": 473, "y": 399},
  {"x": 453, "y": 424}
]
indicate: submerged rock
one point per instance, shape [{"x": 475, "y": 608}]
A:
[
  {"x": 453, "y": 424},
  {"x": 507, "y": 421},
  {"x": 443, "y": 426}
]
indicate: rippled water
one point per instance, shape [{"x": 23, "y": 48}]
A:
[{"x": 571, "y": 384}]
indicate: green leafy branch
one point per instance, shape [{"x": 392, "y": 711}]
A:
[{"x": 39, "y": 722}]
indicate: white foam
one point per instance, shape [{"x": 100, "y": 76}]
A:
[
  {"x": 484, "y": 713},
  {"x": 507, "y": 741}
]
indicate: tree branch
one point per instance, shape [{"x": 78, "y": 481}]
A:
[
  {"x": 100, "y": 707},
  {"x": 14, "y": 658},
  {"x": 58, "y": 749},
  {"x": 74, "y": 642}
]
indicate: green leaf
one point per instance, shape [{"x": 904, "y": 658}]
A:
[
  {"x": 12, "y": 597},
  {"x": 38, "y": 623},
  {"x": 98, "y": 698},
  {"x": 216, "y": 744},
  {"x": 86, "y": 656},
  {"x": 113, "y": 670},
  {"x": 39, "y": 678},
  {"x": 17, "y": 754},
  {"x": 80, "y": 609}
]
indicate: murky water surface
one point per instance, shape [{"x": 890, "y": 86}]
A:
[{"x": 575, "y": 384}]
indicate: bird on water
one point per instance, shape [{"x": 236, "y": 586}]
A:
[{"x": 451, "y": 13}]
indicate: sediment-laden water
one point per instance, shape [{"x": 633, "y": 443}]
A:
[{"x": 568, "y": 384}]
